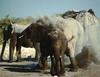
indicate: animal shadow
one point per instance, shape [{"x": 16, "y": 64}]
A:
[{"x": 21, "y": 68}]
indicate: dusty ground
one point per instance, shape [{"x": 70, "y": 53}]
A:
[{"x": 23, "y": 69}]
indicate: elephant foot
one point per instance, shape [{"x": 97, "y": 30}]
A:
[
  {"x": 62, "y": 73},
  {"x": 1, "y": 60},
  {"x": 10, "y": 61},
  {"x": 36, "y": 59},
  {"x": 44, "y": 72},
  {"x": 74, "y": 69},
  {"x": 69, "y": 66},
  {"x": 38, "y": 66},
  {"x": 19, "y": 60},
  {"x": 42, "y": 67},
  {"x": 52, "y": 71}
]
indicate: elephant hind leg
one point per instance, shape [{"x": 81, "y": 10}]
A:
[
  {"x": 2, "y": 51},
  {"x": 18, "y": 53},
  {"x": 74, "y": 65}
]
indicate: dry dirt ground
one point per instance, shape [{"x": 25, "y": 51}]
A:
[
  {"x": 28, "y": 68},
  {"x": 23, "y": 69}
]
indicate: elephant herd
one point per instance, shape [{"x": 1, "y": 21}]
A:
[{"x": 53, "y": 36}]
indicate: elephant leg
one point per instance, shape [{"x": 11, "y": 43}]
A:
[
  {"x": 12, "y": 47},
  {"x": 62, "y": 70},
  {"x": 74, "y": 64},
  {"x": 43, "y": 57},
  {"x": 43, "y": 63},
  {"x": 72, "y": 55},
  {"x": 2, "y": 51},
  {"x": 57, "y": 64},
  {"x": 18, "y": 53},
  {"x": 37, "y": 47},
  {"x": 52, "y": 70}
]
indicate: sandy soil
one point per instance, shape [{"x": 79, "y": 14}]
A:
[
  {"x": 23, "y": 69},
  {"x": 28, "y": 68}
]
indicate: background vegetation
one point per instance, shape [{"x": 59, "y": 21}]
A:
[{"x": 6, "y": 20}]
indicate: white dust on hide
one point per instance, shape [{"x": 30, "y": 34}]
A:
[{"x": 91, "y": 38}]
